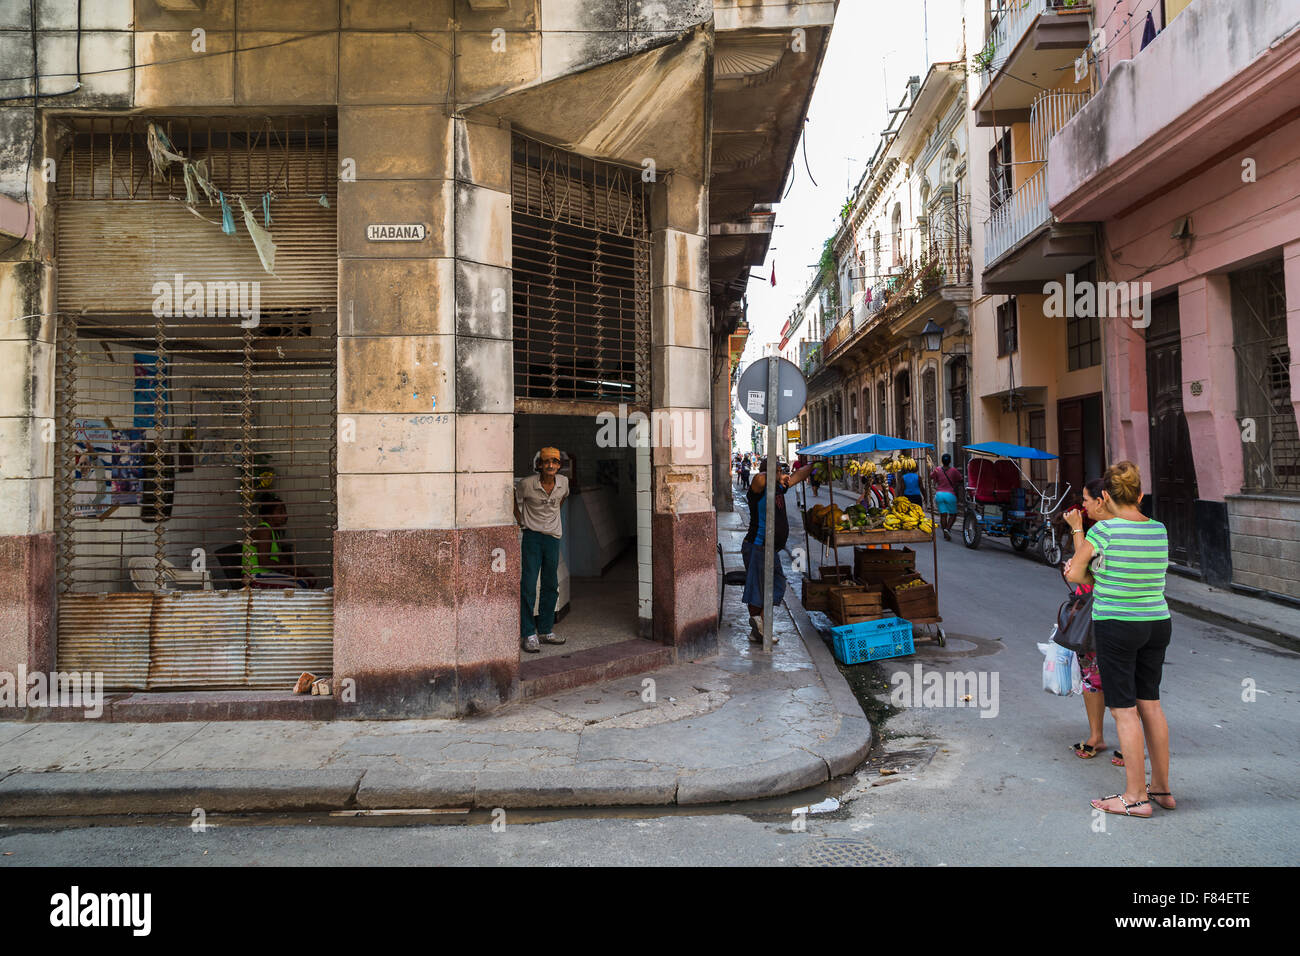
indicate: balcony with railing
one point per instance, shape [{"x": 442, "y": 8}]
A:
[
  {"x": 942, "y": 274},
  {"x": 1029, "y": 40},
  {"x": 1025, "y": 211}
]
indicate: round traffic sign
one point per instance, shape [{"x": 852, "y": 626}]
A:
[{"x": 791, "y": 391}]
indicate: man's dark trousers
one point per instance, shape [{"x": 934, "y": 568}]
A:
[{"x": 540, "y": 551}]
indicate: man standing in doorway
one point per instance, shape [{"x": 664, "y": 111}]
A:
[{"x": 537, "y": 510}]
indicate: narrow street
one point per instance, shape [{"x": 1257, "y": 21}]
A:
[{"x": 1005, "y": 789}]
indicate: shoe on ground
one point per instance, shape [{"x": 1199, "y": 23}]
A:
[
  {"x": 756, "y": 630},
  {"x": 552, "y": 639},
  {"x": 531, "y": 645}
]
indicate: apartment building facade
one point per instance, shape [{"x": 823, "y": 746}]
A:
[
  {"x": 895, "y": 352},
  {"x": 1187, "y": 159}
]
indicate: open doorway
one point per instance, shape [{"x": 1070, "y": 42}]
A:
[{"x": 598, "y": 571}]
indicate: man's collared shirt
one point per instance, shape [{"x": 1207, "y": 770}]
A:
[{"x": 540, "y": 511}]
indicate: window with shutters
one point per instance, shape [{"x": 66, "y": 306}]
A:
[
  {"x": 1259, "y": 308},
  {"x": 1007, "y": 331},
  {"x": 581, "y": 273},
  {"x": 929, "y": 405}
]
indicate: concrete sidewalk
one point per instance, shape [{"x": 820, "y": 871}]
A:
[{"x": 738, "y": 726}]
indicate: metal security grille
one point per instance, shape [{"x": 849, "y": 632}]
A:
[
  {"x": 1272, "y": 460},
  {"x": 195, "y": 397},
  {"x": 581, "y": 257}
]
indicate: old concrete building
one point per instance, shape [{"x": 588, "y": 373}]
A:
[
  {"x": 1194, "y": 188},
  {"x": 325, "y": 274}
]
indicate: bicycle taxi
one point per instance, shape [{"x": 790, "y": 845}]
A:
[{"x": 1004, "y": 502}]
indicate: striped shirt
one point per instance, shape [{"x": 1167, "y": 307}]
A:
[{"x": 1130, "y": 573}]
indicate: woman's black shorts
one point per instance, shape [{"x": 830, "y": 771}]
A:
[{"x": 1131, "y": 656}]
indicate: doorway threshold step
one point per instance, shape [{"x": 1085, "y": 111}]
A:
[{"x": 551, "y": 675}]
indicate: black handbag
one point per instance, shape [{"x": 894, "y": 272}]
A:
[{"x": 1074, "y": 624}]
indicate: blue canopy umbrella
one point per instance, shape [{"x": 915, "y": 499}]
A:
[
  {"x": 1003, "y": 450},
  {"x": 864, "y": 443}
]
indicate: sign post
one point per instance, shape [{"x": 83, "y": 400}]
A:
[{"x": 774, "y": 393}]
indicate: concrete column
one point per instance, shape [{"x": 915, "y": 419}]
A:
[
  {"x": 1205, "y": 311},
  {"x": 684, "y": 526},
  {"x": 27, "y": 547}
]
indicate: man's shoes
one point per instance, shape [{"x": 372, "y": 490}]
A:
[
  {"x": 552, "y": 639},
  {"x": 756, "y": 630},
  {"x": 531, "y": 645},
  {"x": 946, "y": 535}
]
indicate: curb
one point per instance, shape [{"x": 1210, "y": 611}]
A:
[
  {"x": 1209, "y": 616},
  {"x": 851, "y": 744}
]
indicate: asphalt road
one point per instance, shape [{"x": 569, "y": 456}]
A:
[{"x": 1001, "y": 790}]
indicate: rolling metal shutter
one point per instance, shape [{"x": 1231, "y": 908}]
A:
[{"x": 173, "y": 428}]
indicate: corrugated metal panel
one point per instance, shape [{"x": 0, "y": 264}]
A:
[
  {"x": 110, "y": 254},
  {"x": 200, "y": 639},
  {"x": 107, "y": 633},
  {"x": 292, "y": 631}
]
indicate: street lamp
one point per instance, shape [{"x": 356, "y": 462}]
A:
[{"x": 933, "y": 336}]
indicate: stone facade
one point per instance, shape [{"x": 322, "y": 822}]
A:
[{"x": 427, "y": 95}]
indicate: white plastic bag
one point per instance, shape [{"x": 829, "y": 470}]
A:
[{"x": 1060, "y": 669}]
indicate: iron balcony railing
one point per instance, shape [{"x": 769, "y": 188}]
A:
[
  {"x": 1017, "y": 16},
  {"x": 1026, "y": 209}
]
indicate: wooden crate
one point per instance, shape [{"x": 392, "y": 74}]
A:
[
  {"x": 857, "y": 604},
  {"x": 816, "y": 594},
  {"x": 881, "y": 561},
  {"x": 912, "y": 603},
  {"x": 837, "y": 573}
]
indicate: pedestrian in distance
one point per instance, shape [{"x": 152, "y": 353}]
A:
[
  {"x": 752, "y": 548},
  {"x": 744, "y": 473},
  {"x": 537, "y": 510},
  {"x": 1131, "y": 628},
  {"x": 948, "y": 485},
  {"x": 1093, "y": 508}
]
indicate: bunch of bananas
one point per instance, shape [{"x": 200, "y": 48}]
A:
[
  {"x": 905, "y": 516},
  {"x": 863, "y": 468},
  {"x": 900, "y": 464}
]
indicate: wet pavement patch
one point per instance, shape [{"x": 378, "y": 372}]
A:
[{"x": 867, "y": 681}]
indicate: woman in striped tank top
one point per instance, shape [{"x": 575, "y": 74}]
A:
[{"x": 1131, "y": 627}]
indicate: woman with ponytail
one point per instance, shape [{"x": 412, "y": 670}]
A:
[{"x": 1131, "y": 627}]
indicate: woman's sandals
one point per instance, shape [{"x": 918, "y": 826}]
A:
[
  {"x": 1128, "y": 807},
  {"x": 1156, "y": 796}
]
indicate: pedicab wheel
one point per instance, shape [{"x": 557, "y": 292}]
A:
[
  {"x": 971, "y": 532},
  {"x": 1019, "y": 540},
  {"x": 1051, "y": 553}
]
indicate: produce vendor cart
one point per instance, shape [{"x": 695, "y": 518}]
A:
[{"x": 889, "y": 526}]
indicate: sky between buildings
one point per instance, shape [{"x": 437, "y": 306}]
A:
[{"x": 874, "y": 43}]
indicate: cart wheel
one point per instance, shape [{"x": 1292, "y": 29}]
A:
[
  {"x": 971, "y": 532},
  {"x": 1019, "y": 540},
  {"x": 940, "y": 636}
]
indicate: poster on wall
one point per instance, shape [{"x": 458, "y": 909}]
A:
[
  {"x": 108, "y": 467},
  {"x": 92, "y": 448},
  {"x": 150, "y": 393}
]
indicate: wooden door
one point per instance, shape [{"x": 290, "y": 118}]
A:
[{"x": 1173, "y": 477}]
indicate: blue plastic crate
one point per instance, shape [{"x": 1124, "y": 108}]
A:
[{"x": 872, "y": 640}]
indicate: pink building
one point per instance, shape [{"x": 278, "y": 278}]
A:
[{"x": 1188, "y": 159}]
